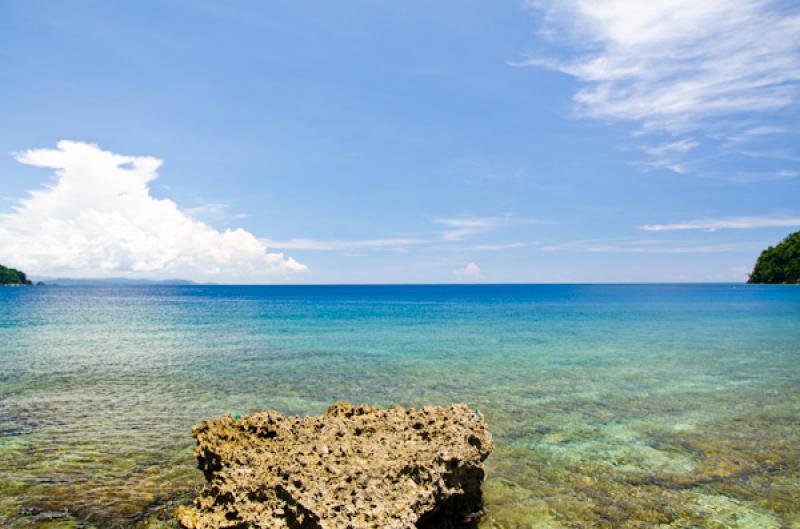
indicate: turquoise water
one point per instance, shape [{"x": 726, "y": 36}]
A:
[{"x": 611, "y": 405}]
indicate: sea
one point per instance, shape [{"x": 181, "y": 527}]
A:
[{"x": 611, "y": 406}]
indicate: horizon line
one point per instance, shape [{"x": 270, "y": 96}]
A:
[{"x": 190, "y": 283}]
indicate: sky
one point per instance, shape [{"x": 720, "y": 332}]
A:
[{"x": 398, "y": 142}]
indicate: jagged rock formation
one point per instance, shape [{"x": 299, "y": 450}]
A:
[{"x": 352, "y": 468}]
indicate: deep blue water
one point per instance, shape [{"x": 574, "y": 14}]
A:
[{"x": 591, "y": 391}]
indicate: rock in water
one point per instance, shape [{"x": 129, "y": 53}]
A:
[{"x": 352, "y": 468}]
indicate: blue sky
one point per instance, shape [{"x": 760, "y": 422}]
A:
[{"x": 361, "y": 142}]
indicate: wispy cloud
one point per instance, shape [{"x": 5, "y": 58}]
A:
[
  {"x": 455, "y": 230},
  {"x": 746, "y": 177},
  {"x": 777, "y": 154},
  {"x": 755, "y": 132},
  {"x": 704, "y": 248},
  {"x": 465, "y": 226},
  {"x": 730, "y": 223},
  {"x": 497, "y": 247},
  {"x": 338, "y": 245},
  {"x": 673, "y": 64},
  {"x": 659, "y": 163},
  {"x": 214, "y": 211},
  {"x": 669, "y": 155},
  {"x": 666, "y": 149},
  {"x": 644, "y": 247}
]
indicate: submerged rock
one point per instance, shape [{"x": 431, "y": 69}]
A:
[{"x": 352, "y": 468}]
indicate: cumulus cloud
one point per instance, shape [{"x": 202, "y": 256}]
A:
[
  {"x": 672, "y": 64},
  {"x": 470, "y": 272},
  {"x": 735, "y": 223},
  {"x": 98, "y": 219}
]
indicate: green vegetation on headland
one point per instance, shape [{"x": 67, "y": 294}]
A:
[
  {"x": 779, "y": 264},
  {"x": 9, "y": 276}
]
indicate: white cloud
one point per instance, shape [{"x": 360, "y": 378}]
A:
[
  {"x": 675, "y": 147},
  {"x": 98, "y": 219},
  {"x": 671, "y": 165},
  {"x": 727, "y": 223},
  {"x": 778, "y": 154},
  {"x": 674, "y": 64},
  {"x": 677, "y": 168},
  {"x": 212, "y": 211},
  {"x": 332, "y": 245},
  {"x": 702, "y": 248},
  {"x": 497, "y": 247},
  {"x": 645, "y": 247},
  {"x": 755, "y": 132},
  {"x": 455, "y": 229},
  {"x": 465, "y": 226},
  {"x": 470, "y": 272},
  {"x": 668, "y": 155},
  {"x": 746, "y": 177}
]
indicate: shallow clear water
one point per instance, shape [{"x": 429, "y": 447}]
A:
[{"x": 611, "y": 406}]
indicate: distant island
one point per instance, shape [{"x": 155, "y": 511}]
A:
[
  {"x": 112, "y": 282},
  {"x": 10, "y": 276},
  {"x": 13, "y": 277},
  {"x": 779, "y": 264}
]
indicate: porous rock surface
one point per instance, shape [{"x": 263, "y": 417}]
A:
[{"x": 356, "y": 467}]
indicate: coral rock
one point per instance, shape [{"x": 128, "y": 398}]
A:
[{"x": 352, "y": 468}]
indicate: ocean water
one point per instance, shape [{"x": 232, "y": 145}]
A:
[{"x": 612, "y": 406}]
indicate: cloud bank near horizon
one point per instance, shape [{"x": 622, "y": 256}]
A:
[{"x": 98, "y": 219}]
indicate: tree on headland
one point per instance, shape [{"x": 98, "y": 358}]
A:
[
  {"x": 779, "y": 264},
  {"x": 9, "y": 276}
]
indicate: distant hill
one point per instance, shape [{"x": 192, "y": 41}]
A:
[
  {"x": 112, "y": 281},
  {"x": 10, "y": 276},
  {"x": 779, "y": 264}
]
